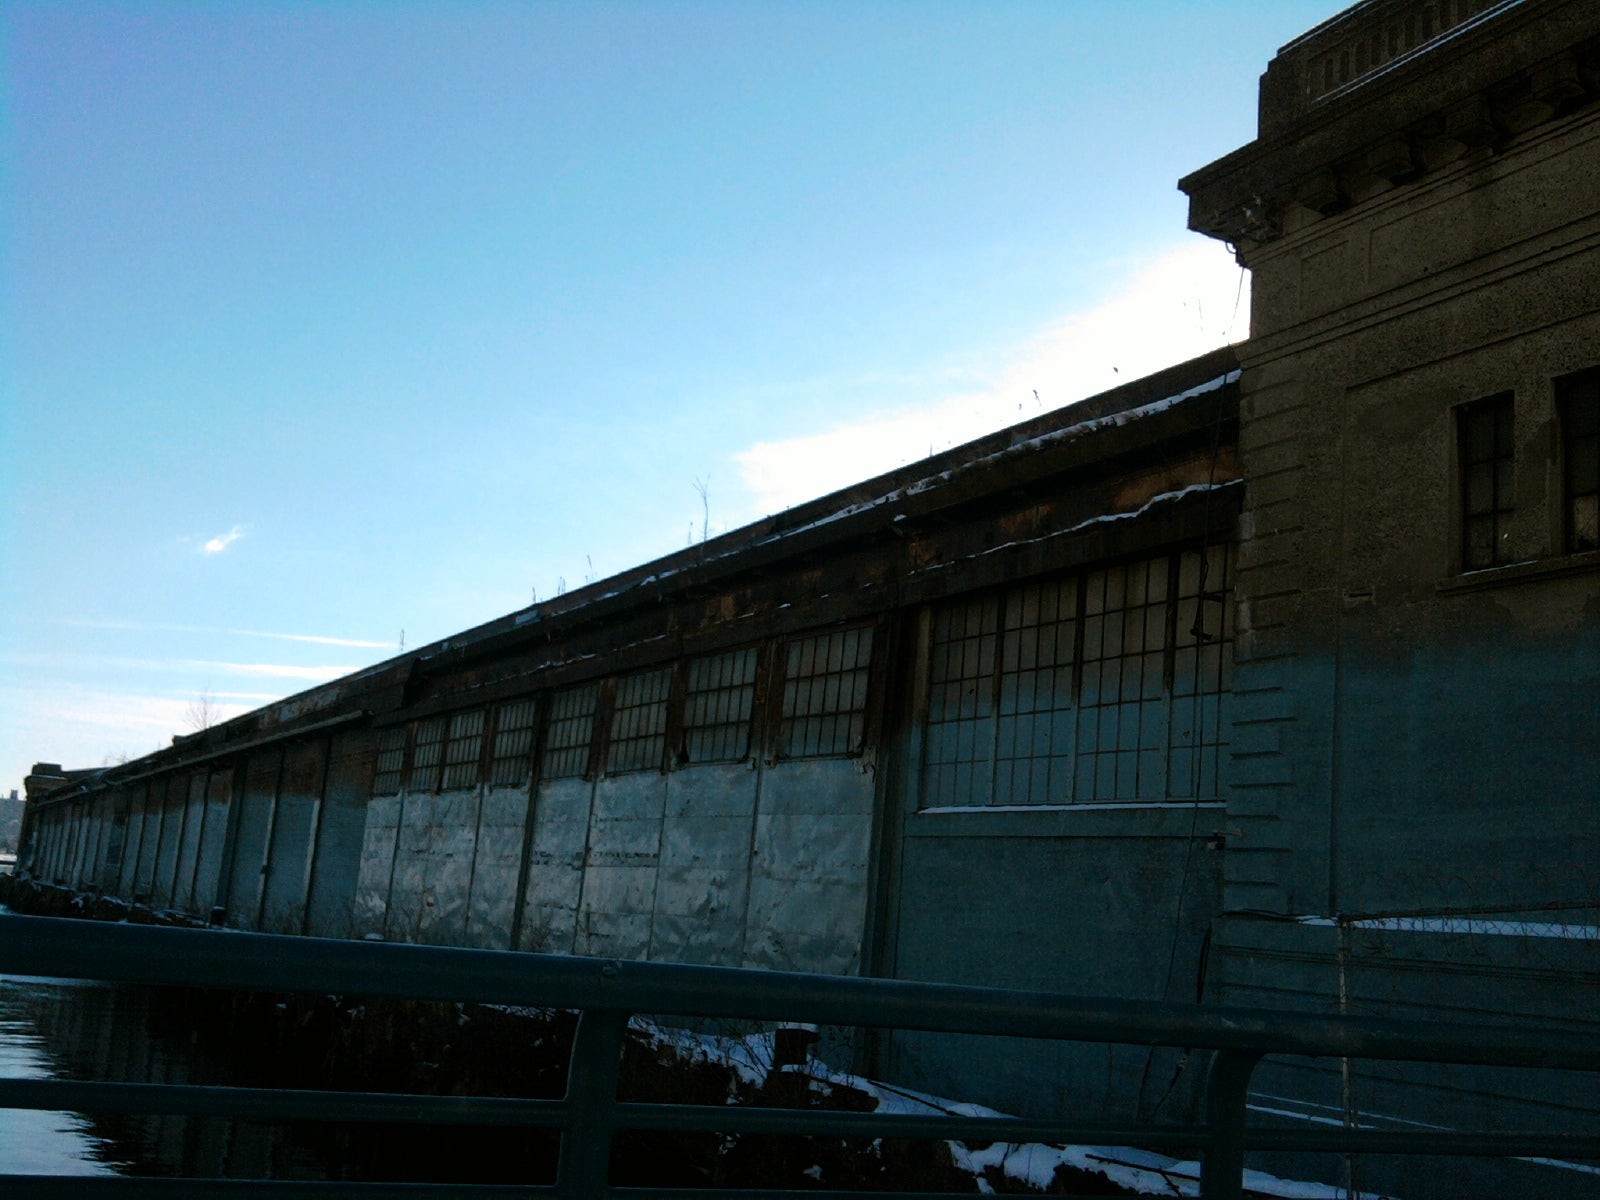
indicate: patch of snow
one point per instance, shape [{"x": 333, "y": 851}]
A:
[{"x": 1468, "y": 925}]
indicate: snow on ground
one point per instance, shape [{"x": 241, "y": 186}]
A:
[{"x": 749, "y": 1058}]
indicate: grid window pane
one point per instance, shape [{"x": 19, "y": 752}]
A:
[
  {"x": 509, "y": 761},
  {"x": 463, "y": 750},
  {"x": 391, "y": 761},
  {"x": 1149, "y": 718},
  {"x": 566, "y": 751},
  {"x": 639, "y": 722},
  {"x": 717, "y": 705},
  {"x": 1578, "y": 399},
  {"x": 825, "y": 694},
  {"x": 1484, "y": 434},
  {"x": 427, "y": 756}
]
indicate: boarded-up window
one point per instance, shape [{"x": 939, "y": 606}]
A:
[
  {"x": 717, "y": 704},
  {"x": 566, "y": 750},
  {"x": 427, "y": 755},
  {"x": 825, "y": 693},
  {"x": 463, "y": 750},
  {"x": 639, "y": 721},
  {"x": 391, "y": 761},
  {"x": 509, "y": 762}
]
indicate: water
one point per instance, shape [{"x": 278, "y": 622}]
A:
[{"x": 34, "y": 1142}]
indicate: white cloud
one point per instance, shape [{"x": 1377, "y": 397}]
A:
[
  {"x": 276, "y": 670},
  {"x": 222, "y": 541},
  {"x": 315, "y": 638},
  {"x": 1184, "y": 303}
]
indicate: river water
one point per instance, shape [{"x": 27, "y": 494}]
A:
[{"x": 34, "y": 1142}]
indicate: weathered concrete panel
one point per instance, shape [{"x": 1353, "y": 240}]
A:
[
  {"x": 497, "y": 864},
  {"x": 257, "y": 803},
  {"x": 433, "y": 869},
  {"x": 173, "y": 805},
  {"x": 555, "y": 866},
  {"x": 194, "y": 817},
  {"x": 132, "y": 840},
  {"x": 283, "y": 903},
  {"x": 377, "y": 865},
  {"x": 619, "y": 885},
  {"x": 336, "y": 864},
  {"x": 213, "y": 840},
  {"x": 1094, "y": 915},
  {"x": 809, "y": 871}
]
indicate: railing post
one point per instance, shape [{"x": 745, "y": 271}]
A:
[
  {"x": 1222, "y": 1167},
  {"x": 585, "y": 1164}
]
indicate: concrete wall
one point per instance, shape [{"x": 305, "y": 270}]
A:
[{"x": 1413, "y": 742}]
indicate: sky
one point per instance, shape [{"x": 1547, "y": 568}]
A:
[{"x": 332, "y": 328}]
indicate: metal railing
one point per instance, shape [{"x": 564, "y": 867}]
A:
[{"x": 607, "y": 993}]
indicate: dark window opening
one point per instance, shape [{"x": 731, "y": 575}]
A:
[
  {"x": 1578, "y": 402},
  {"x": 1484, "y": 433},
  {"x": 391, "y": 761},
  {"x": 566, "y": 752},
  {"x": 825, "y": 694},
  {"x": 511, "y": 757},
  {"x": 717, "y": 704},
  {"x": 427, "y": 756},
  {"x": 463, "y": 751},
  {"x": 639, "y": 722}
]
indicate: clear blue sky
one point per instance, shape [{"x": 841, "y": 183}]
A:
[{"x": 326, "y": 321}]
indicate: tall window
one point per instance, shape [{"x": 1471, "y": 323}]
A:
[
  {"x": 391, "y": 761},
  {"x": 463, "y": 750},
  {"x": 717, "y": 704},
  {"x": 509, "y": 759},
  {"x": 1099, "y": 687},
  {"x": 825, "y": 694},
  {"x": 1578, "y": 400},
  {"x": 566, "y": 748},
  {"x": 639, "y": 722},
  {"x": 427, "y": 756},
  {"x": 1483, "y": 433}
]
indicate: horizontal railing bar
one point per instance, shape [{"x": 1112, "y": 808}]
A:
[
  {"x": 632, "y": 1193},
  {"x": 270, "y": 1104},
  {"x": 162, "y": 1187},
  {"x": 802, "y": 1122},
  {"x": 266, "y": 1104},
  {"x": 266, "y": 962},
  {"x": 1426, "y": 1141}
]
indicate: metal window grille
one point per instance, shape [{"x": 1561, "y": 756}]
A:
[
  {"x": 1578, "y": 399},
  {"x": 958, "y": 743},
  {"x": 1122, "y": 710},
  {"x": 1484, "y": 430},
  {"x": 639, "y": 722},
  {"x": 463, "y": 752},
  {"x": 1033, "y": 718},
  {"x": 1202, "y": 664},
  {"x": 566, "y": 751},
  {"x": 825, "y": 694},
  {"x": 391, "y": 761},
  {"x": 717, "y": 704},
  {"x": 427, "y": 755},
  {"x": 510, "y": 758}
]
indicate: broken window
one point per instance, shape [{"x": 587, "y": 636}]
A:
[
  {"x": 1484, "y": 431},
  {"x": 427, "y": 756},
  {"x": 510, "y": 758},
  {"x": 463, "y": 750},
  {"x": 391, "y": 761},
  {"x": 1100, "y": 687},
  {"x": 717, "y": 703},
  {"x": 639, "y": 722},
  {"x": 566, "y": 751},
  {"x": 1578, "y": 400},
  {"x": 825, "y": 694}
]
